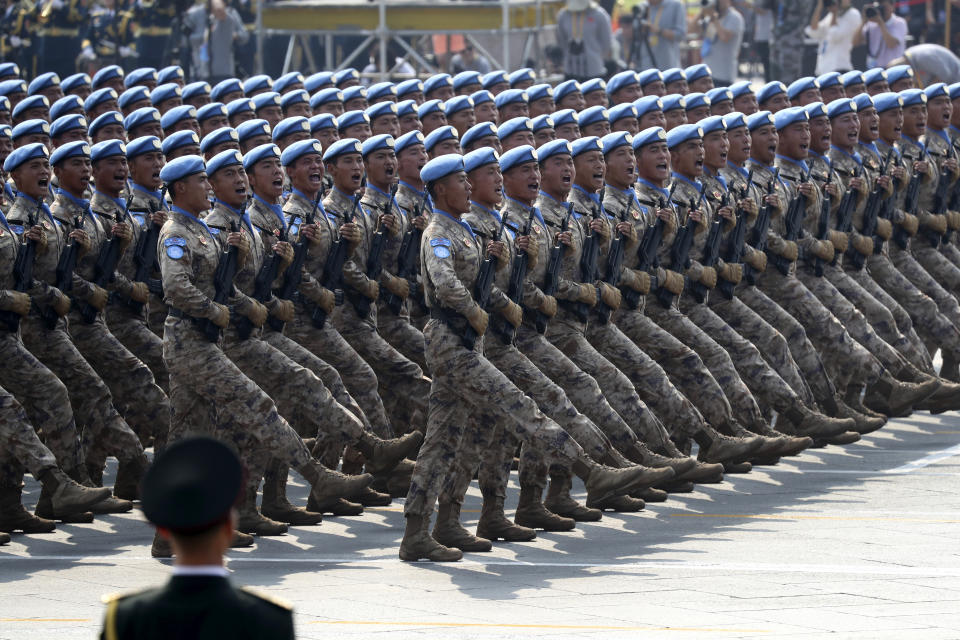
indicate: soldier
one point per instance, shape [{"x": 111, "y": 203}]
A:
[
  {"x": 110, "y": 37},
  {"x": 153, "y": 22},
  {"x": 60, "y": 30}
]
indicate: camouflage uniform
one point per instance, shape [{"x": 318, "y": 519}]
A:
[
  {"x": 21, "y": 448},
  {"x": 144, "y": 200},
  {"x": 410, "y": 200},
  {"x": 790, "y": 19},
  {"x": 926, "y": 248}
]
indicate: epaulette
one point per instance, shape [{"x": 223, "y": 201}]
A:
[
  {"x": 266, "y": 597},
  {"x": 116, "y": 596}
]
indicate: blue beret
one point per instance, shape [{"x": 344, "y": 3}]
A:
[
  {"x": 354, "y": 92},
  {"x": 615, "y": 140},
  {"x": 539, "y": 91},
  {"x": 222, "y": 88},
  {"x": 839, "y": 107},
  {"x": 510, "y": 96},
  {"x": 325, "y": 96},
  {"x": 317, "y": 81},
  {"x": 170, "y": 74},
  {"x": 33, "y": 102},
  {"x": 107, "y": 73},
  {"x": 262, "y": 152},
  {"x": 297, "y": 96},
  {"x": 240, "y": 105},
  {"x": 543, "y": 122},
  {"x": 103, "y": 120},
  {"x": 437, "y": 81},
  {"x": 741, "y": 88},
  {"x": 522, "y": 75},
  {"x": 66, "y": 123},
  {"x": 140, "y": 117},
  {"x": 64, "y": 105},
  {"x": 99, "y": 97},
  {"x": 760, "y": 119},
  {"x": 674, "y": 74},
  {"x": 886, "y": 101},
  {"x": 143, "y": 74},
  {"x": 323, "y": 121},
  {"x": 256, "y": 83},
  {"x": 289, "y": 126},
  {"x": 12, "y": 86},
  {"x": 4, "y": 104},
  {"x": 936, "y": 90},
  {"x": 954, "y": 90},
  {"x": 864, "y": 101},
  {"x": 227, "y": 158},
  {"x": 913, "y": 97},
  {"x": 621, "y": 80},
  {"x": 565, "y": 88},
  {"x": 877, "y": 74},
  {"x": 565, "y": 116},
  {"x": 513, "y": 125},
  {"x": 182, "y": 167},
  {"x": 142, "y": 145},
  {"x": 620, "y": 111},
  {"x": 218, "y": 136},
  {"x": 386, "y": 108},
  {"x": 8, "y": 69},
  {"x": 646, "y": 104},
  {"x": 133, "y": 94},
  {"x": 264, "y": 100},
  {"x": 899, "y": 72},
  {"x": 518, "y": 156},
  {"x": 437, "y": 136},
  {"x": 465, "y": 79},
  {"x": 649, "y": 136},
  {"x": 493, "y": 78},
  {"x": 830, "y": 79},
  {"x": 107, "y": 149},
  {"x": 30, "y": 127},
  {"x": 342, "y": 147},
  {"x": 380, "y": 90},
  {"x": 590, "y": 115},
  {"x": 711, "y": 124},
  {"x": 479, "y": 97},
  {"x": 77, "y": 148},
  {"x": 351, "y": 118},
  {"x": 583, "y": 145},
  {"x": 27, "y": 152},
  {"x": 409, "y": 139},
  {"x": 252, "y": 128},
  {"x": 345, "y": 75},
  {"x": 554, "y": 148},
  {"x": 164, "y": 92},
  {"x": 734, "y": 120},
  {"x": 428, "y": 107},
  {"x": 180, "y": 139},
  {"x": 6, "y": 131},
  {"x": 697, "y": 71},
  {"x": 441, "y": 167},
  {"x": 791, "y": 115},
  {"x": 593, "y": 84},
  {"x": 477, "y": 131},
  {"x": 407, "y": 108},
  {"x": 178, "y": 114},
  {"x": 457, "y": 104},
  {"x": 211, "y": 110},
  {"x": 800, "y": 85},
  {"x": 299, "y": 149},
  {"x": 769, "y": 90},
  {"x": 287, "y": 80},
  {"x": 75, "y": 81},
  {"x": 851, "y": 78},
  {"x": 382, "y": 141},
  {"x": 648, "y": 76},
  {"x": 409, "y": 86},
  {"x": 673, "y": 101},
  {"x": 43, "y": 81},
  {"x": 694, "y": 100},
  {"x": 719, "y": 94},
  {"x": 194, "y": 89},
  {"x": 480, "y": 158},
  {"x": 682, "y": 133},
  {"x": 818, "y": 110}
]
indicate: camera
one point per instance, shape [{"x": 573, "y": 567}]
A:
[{"x": 871, "y": 11}]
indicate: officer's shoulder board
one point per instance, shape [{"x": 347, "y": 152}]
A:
[
  {"x": 117, "y": 596},
  {"x": 269, "y": 598}
]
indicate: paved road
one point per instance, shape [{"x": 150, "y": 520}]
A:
[{"x": 859, "y": 541}]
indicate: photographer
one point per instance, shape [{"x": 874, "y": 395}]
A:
[
  {"x": 585, "y": 35},
  {"x": 722, "y": 34},
  {"x": 884, "y": 33},
  {"x": 663, "y": 24},
  {"x": 834, "y": 33},
  {"x": 212, "y": 36}
]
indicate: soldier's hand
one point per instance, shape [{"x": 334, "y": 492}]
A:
[
  {"x": 790, "y": 250},
  {"x": 823, "y": 249},
  {"x": 727, "y": 213},
  {"x": 478, "y": 319},
  {"x": 611, "y": 296},
  {"x": 565, "y": 238},
  {"x": 628, "y": 231},
  {"x": 399, "y": 287},
  {"x": 498, "y": 250},
  {"x": 953, "y": 219},
  {"x": 910, "y": 223},
  {"x": 158, "y": 217},
  {"x": 285, "y": 251},
  {"x": 807, "y": 189},
  {"x": 139, "y": 292},
  {"x": 708, "y": 277},
  {"x": 834, "y": 190},
  {"x": 373, "y": 290},
  {"x": 549, "y": 306},
  {"x": 839, "y": 239},
  {"x": 98, "y": 299},
  {"x": 221, "y": 315},
  {"x": 533, "y": 253},
  {"x": 884, "y": 228},
  {"x": 757, "y": 260},
  {"x": 600, "y": 227},
  {"x": 83, "y": 241},
  {"x": 921, "y": 166},
  {"x": 420, "y": 222},
  {"x": 242, "y": 243},
  {"x": 640, "y": 282},
  {"x": 327, "y": 301},
  {"x": 37, "y": 234},
  {"x": 587, "y": 294},
  {"x": 863, "y": 245},
  {"x": 19, "y": 303},
  {"x": 885, "y": 183},
  {"x": 391, "y": 223},
  {"x": 283, "y": 310},
  {"x": 257, "y": 313},
  {"x": 696, "y": 215},
  {"x": 513, "y": 313},
  {"x": 857, "y": 184},
  {"x": 950, "y": 164},
  {"x": 312, "y": 233},
  {"x": 122, "y": 232},
  {"x": 937, "y": 222},
  {"x": 673, "y": 283},
  {"x": 900, "y": 173},
  {"x": 666, "y": 215},
  {"x": 352, "y": 234},
  {"x": 776, "y": 204},
  {"x": 61, "y": 306},
  {"x": 748, "y": 206},
  {"x": 732, "y": 272}
]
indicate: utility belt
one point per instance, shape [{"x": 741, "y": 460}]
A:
[
  {"x": 153, "y": 31},
  {"x": 198, "y": 323},
  {"x": 457, "y": 322},
  {"x": 60, "y": 32}
]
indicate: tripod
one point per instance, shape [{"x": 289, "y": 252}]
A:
[{"x": 641, "y": 38}]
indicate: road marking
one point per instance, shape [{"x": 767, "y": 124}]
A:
[
  {"x": 926, "y": 461},
  {"x": 44, "y": 619},
  {"x": 494, "y": 625},
  {"x": 794, "y": 516}
]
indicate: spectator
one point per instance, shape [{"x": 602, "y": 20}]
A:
[
  {"x": 931, "y": 63},
  {"x": 884, "y": 33},
  {"x": 212, "y": 39},
  {"x": 834, "y": 33},
  {"x": 723, "y": 33},
  {"x": 666, "y": 29},
  {"x": 762, "y": 34},
  {"x": 585, "y": 35},
  {"x": 468, "y": 60}
]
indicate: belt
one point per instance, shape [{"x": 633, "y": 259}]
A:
[
  {"x": 457, "y": 322},
  {"x": 199, "y": 323},
  {"x": 153, "y": 31},
  {"x": 60, "y": 32}
]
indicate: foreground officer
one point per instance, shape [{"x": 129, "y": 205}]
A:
[{"x": 189, "y": 494}]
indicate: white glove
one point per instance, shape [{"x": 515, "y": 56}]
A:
[
  {"x": 57, "y": 4},
  {"x": 126, "y": 52},
  {"x": 15, "y": 41},
  {"x": 87, "y": 53}
]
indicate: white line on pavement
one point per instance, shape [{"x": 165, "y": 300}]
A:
[{"x": 927, "y": 460}]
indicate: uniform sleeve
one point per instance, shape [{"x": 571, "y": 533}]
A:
[
  {"x": 447, "y": 287},
  {"x": 178, "y": 288}
]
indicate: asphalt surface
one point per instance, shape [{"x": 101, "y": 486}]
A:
[{"x": 858, "y": 542}]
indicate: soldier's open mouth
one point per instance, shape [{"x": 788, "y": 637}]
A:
[
  {"x": 388, "y": 172},
  {"x": 242, "y": 191},
  {"x": 852, "y": 137},
  {"x": 723, "y": 158},
  {"x": 356, "y": 177},
  {"x": 804, "y": 147},
  {"x": 155, "y": 176},
  {"x": 922, "y": 129},
  {"x": 43, "y": 183},
  {"x": 565, "y": 179},
  {"x": 278, "y": 183},
  {"x": 662, "y": 166},
  {"x": 315, "y": 178},
  {"x": 534, "y": 186}
]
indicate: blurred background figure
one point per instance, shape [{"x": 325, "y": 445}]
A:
[
  {"x": 834, "y": 25},
  {"x": 884, "y": 33},
  {"x": 584, "y": 34},
  {"x": 657, "y": 27},
  {"x": 469, "y": 60},
  {"x": 212, "y": 37},
  {"x": 723, "y": 28}
]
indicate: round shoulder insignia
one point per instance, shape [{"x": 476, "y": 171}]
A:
[
  {"x": 202, "y": 239},
  {"x": 294, "y": 229},
  {"x": 175, "y": 252},
  {"x": 139, "y": 218},
  {"x": 441, "y": 252},
  {"x": 636, "y": 214},
  {"x": 46, "y": 225}
]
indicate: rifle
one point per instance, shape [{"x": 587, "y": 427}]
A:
[
  {"x": 711, "y": 253},
  {"x": 758, "y": 235},
  {"x": 939, "y": 208},
  {"x": 738, "y": 236},
  {"x": 262, "y": 287},
  {"x": 910, "y": 204},
  {"x": 294, "y": 273},
  {"x": 106, "y": 265},
  {"x": 796, "y": 211},
  {"x": 518, "y": 273},
  {"x": 22, "y": 273},
  {"x": 374, "y": 268},
  {"x": 647, "y": 252},
  {"x": 145, "y": 258},
  {"x": 876, "y": 204},
  {"x": 847, "y": 205},
  {"x": 407, "y": 260},
  {"x": 823, "y": 224},
  {"x": 64, "y": 274},
  {"x": 223, "y": 283},
  {"x": 483, "y": 287},
  {"x": 333, "y": 267},
  {"x": 680, "y": 250},
  {"x": 614, "y": 268},
  {"x": 588, "y": 262},
  {"x": 552, "y": 279}
]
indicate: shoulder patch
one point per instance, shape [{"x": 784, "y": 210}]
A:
[
  {"x": 441, "y": 252},
  {"x": 174, "y": 252},
  {"x": 175, "y": 241},
  {"x": 439, "y": 242},
  {"x": 266, "y": 597},
  {"x": 139, "y": 218}
]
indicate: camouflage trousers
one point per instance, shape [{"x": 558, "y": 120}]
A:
[
  {"x": 102, "y": 428},
  {"x": 937, "y": 265},
  {"x": 950, "y": 250},
  {"x": 464, "y": 381},
  {"x": 43, "y": 396},
  {"x": 157, "y": 314},
  {"x": 20, "y": 448},
  {"x": 135, "y": 334},
  {"x": 403, "y": 336},
  {"x": 915, "y": 273}
]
